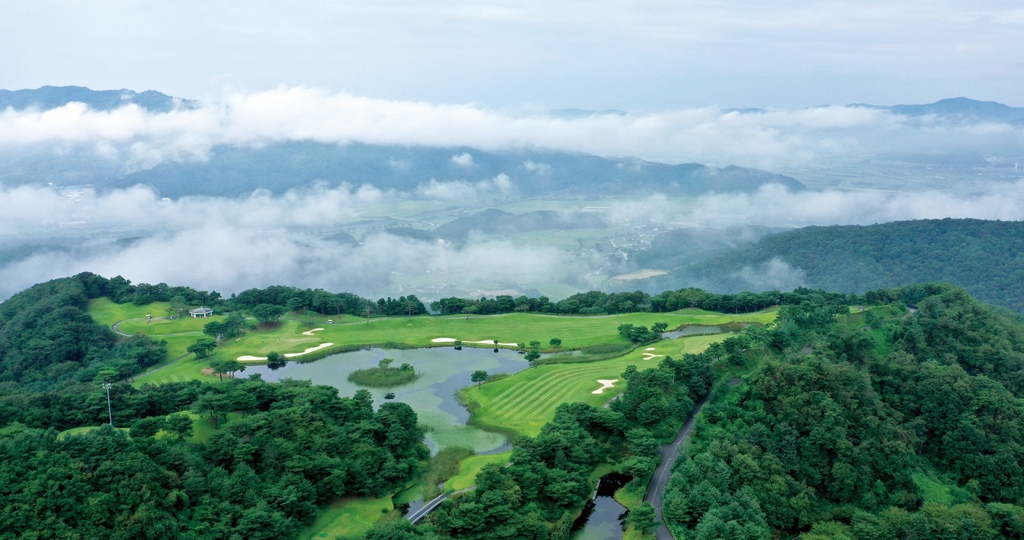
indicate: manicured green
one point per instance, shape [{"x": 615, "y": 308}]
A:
[
  {"x": 575, "y": 331},
  {"x": 184, "y": 369},
  {"x": 527, "y": 400},
  {"x": 348, "y": 518},
  {"x": 162, "y": 326},
  {"x": 470, "y": 467},
  {"x": 105, "y": 311}
]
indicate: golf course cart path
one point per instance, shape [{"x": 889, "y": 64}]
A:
[
  {"x": 669, "y": 453},
  {"x": 426, "y": 509},
  {"x": 117, "y": 330}
]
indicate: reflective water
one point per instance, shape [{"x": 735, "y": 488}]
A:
[
  {"x": 692, "y": 330},
  {"x": 444, "y": 371},
  {"x": 602, "y": 517}
]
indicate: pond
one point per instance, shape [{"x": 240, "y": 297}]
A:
[
  {"x": 602, "y": 516},
  {"x": 444, "y": 371},
  {"x": 692, "y": 330}
]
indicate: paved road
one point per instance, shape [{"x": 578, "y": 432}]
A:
[
  {"x": 117, "y": 330},
  {"x": 669, "y": 453},
  {"x": 426, "y": 509}
]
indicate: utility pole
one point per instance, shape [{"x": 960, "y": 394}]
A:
[{"x": 110, "y": 411}]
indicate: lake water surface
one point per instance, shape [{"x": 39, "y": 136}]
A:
[{"x": 444, "y": 371}]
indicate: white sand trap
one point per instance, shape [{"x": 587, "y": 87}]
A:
[
  {"x": 484, "y": 342},
  {"x": 605, "y": 385},
  {"x": 651, "y": 356},
  {"x": 248, "y": 358},
  {"x": 491, "y": 342},
  {"x": 649, "y": 349},
  {"x": 310, "y": 332}
]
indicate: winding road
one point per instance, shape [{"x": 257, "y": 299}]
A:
[{"x": 669, "y": 453}]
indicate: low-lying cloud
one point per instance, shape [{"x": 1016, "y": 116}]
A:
[
  {"x": 229, "y": 244},
  {"x": 774, "y": 206},
  {"x": 499, "y": 186},
  {"x": 775, "y": 138}
]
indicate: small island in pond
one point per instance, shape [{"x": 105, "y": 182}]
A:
[{"x": 384, "y": 376}]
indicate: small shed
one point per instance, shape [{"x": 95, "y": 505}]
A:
[{"x": 200, "y": 312}]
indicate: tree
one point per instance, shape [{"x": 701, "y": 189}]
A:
[
  {"x": 213, "y": 404},
  {"x": 275, "y": 360},
  {"x": 643, "y": 518},
  {"x": 202, "y": 348},
  {"x": 458, "y": 344},
  {"x": 221, "y": 367},
  {"x": 532, "y": 356},
  {"x": 267, "y": 313},
  {"x": 177, "y": 306},
  {"x": 385, "y": 362},
  {"x": 535, "y": 344},
  {"x": 478, "y": 376},
  {"x": 471, "y": 310},
  {"x": 146, "y": 427},
  {"x": 555, "y": 342},
  {"x": 179, "y": 424}
]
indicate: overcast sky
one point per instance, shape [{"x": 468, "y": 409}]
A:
[{"x": 640, "y": 56}]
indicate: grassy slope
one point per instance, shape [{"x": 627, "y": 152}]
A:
[
  {"x": 527, "y": 400},
  {"x": 347, "y": 518},
  {"x": 160, "y": 327},
  {"x": 470, "y": 467},
  {"x": 107, "y": 312}
]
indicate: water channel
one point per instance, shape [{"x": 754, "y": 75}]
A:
[
  {"x": 444, "y": 371},
  {"x": 602, "y": 516}
]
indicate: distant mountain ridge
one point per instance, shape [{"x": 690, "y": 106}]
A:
[
  {"x": 51, "y": 97},
  {"x": 958, "y": 108}
]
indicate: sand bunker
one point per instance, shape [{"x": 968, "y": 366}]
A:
[
  {"x": 310, "y": 332},
  {"x": 605, "y": 385},
  {"x": 484, "y": 342},
  {"x": 649, "y": 349},
  {"x": 248, "y": 358},
  {"x": 651, "y": 356}
]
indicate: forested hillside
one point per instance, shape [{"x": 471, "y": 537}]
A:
[
  {"x": 289, "y": 448},
  {"x": 984, "y": 257},
  {"x": 870, "y": 425}
]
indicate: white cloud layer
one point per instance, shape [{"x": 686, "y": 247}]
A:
[
  {"x": 778, "y": 138},
  {"x": 775, "y": 206},
  {"x": 232, "y": 244}
]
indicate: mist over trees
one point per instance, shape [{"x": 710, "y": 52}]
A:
[{"x": 980, "y": 256}]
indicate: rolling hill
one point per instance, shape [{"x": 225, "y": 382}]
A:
[{"x": 984, "y": 257}]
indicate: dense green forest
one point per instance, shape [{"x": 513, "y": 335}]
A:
[
  {"x": 872, "y": 425},
  {"x": 984, "y": 257},
  {"x": 261, "y": 476}
]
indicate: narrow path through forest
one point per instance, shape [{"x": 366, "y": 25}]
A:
[{"x": 669, "y": 453}]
